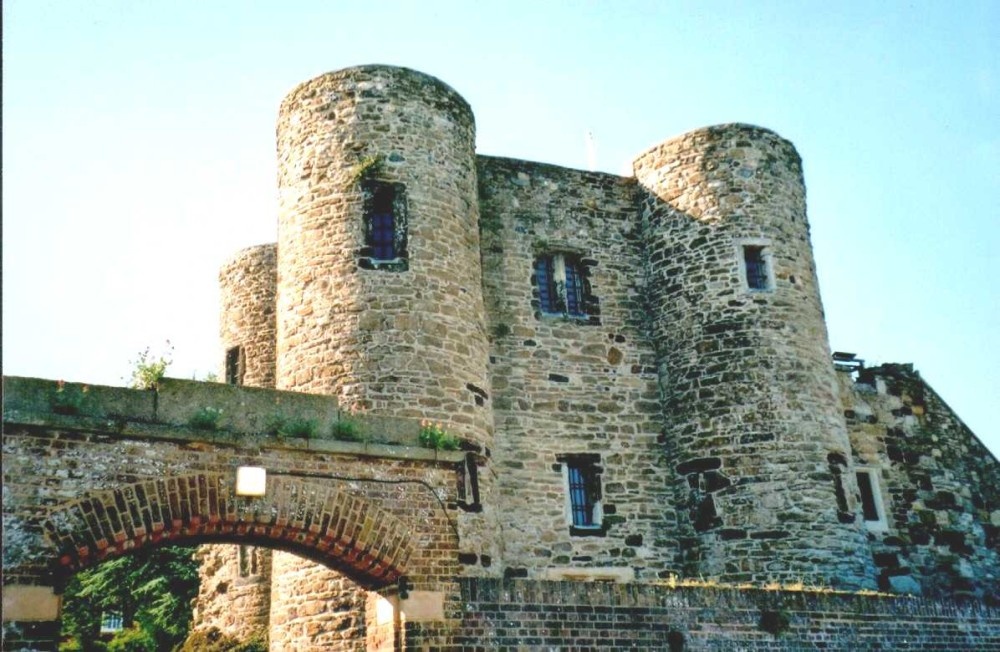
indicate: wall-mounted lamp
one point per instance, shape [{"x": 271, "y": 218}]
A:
[{"x": 251, "y": 481}]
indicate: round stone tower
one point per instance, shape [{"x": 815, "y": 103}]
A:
[
  {"x": 379, "y": 279},
  {"x": 379, "y": 284},
  {"x": 749, "y": 388},
  {"x": 247, "y": 285}
]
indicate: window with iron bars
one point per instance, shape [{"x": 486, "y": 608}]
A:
[
  {"x": 756, "y": 267},
  {"x": 582, "y": 474},
  {"x": 385, "y": 226},
  {"x": 563, "y": 286}
]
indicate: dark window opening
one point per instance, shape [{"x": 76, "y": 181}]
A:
[
  {"x": 583, "y": 484},
  {"x": 235, "y": 365},
  {"x": 869, "y": 506},
  {"x": 755, "y": 263},
  {"x": 385, "y": 225},
  {"x": 563, "y": 286}
]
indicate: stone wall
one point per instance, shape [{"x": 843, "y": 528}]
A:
[
  {"x": 404, "y": 338},
  {"x": 534, "y": 615},
  {"x": 567, "y": 384},
  {"x": 319, "y": 610},
  {"x": 247, "y": 290},
  {"x": 938, "y": 485},
  {"x": 127, "y": 469},
  {"x": 234, "y": 591},
  {"x": 749, "y": 393}
]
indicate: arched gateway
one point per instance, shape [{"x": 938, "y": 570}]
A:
[
  {"x": 333, "y": 527},
  {"x": 91, "y": 473}
]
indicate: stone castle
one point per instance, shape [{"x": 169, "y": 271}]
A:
[{"x": 640, "y": 365}]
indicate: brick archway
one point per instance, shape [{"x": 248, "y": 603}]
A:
[{"x": 317, "y": 521}]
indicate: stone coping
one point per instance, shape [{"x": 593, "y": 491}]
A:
[{"x": 245, "y": 421}]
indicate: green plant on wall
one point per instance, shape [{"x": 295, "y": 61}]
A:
[
  {"x": 433, "y": 435},
  {"x": 370, "y": 167},
  {"x": 348, "y": 429},
  {"x": 149, "y": 369},
  {"x": 282, "y": 426},
  {"x": 206, "y": 418}
]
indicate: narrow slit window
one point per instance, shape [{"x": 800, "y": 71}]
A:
[
  {"x": 234, "y": 365},
  {"x": 871, "y": 500},
  {"x": 581, "y": 497},
  {"x": 755, "y": 264},
  {"x": 247, "y": 561}
]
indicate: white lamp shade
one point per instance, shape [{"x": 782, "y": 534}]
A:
[{"x": 251, "y": 481}]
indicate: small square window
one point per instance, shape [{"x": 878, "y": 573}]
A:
[
  {"x": 563, "y": 286},
  {"x": 111, "y": 622},
  {"x": 582, "y": 474},
  {"x": 871, "y": 500},
  {"x": 385, "y": 226}
]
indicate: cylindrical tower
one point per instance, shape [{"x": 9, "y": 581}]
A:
[
  {"x": 379, "y": 278},
  {"x": 379, "y": 293},
  {"x": 749, "y": 388},
  {"x": 247, "y": 288},
  {"x": 235, "y": 593}
]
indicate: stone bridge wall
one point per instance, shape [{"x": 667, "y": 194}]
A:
[{"x": 92, "y": 472}]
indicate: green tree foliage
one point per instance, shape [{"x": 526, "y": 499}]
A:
[{"x": 152, "y": 589}]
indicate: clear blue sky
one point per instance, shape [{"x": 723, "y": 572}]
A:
[{"x": 138, "y": 150}]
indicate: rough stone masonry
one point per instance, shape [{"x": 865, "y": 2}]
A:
[{"x": 638, "y": 375}]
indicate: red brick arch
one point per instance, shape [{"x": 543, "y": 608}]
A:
[{"x": 330, "y": 526}]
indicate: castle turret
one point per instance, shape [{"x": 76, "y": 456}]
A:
[
  {"x": 247, "y": 286},
  {"x": 380, "y": 293},
  {"x": 749, "y": 390},
  {"x": 379, "y": 279}
]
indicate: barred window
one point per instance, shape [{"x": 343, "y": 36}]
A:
[
  {"x": 563, "y": 286},
  {"x": 385, "y": 226},
  {"x": 756, "y": 267},
  {"x": 582, "y": 473}
]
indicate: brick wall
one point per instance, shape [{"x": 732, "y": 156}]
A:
[{"x": 537, "y": 615}]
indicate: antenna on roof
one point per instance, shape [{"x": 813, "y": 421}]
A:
[{"x": 591, "y": 151}]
